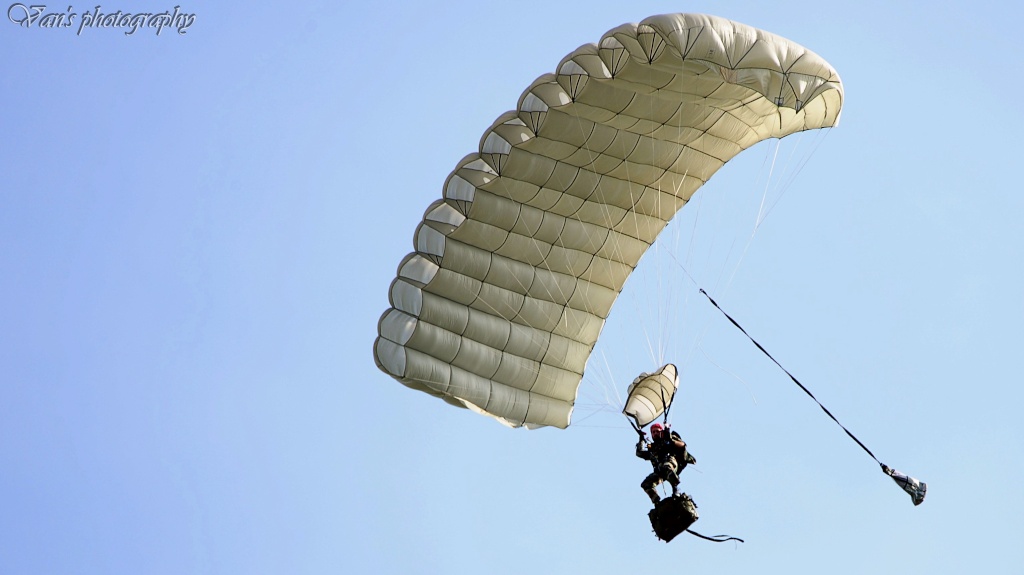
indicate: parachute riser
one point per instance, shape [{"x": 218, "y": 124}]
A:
[{"x": 668, "y": 405}]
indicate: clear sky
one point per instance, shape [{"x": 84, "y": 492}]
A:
[{"x": 198, "y": 232}]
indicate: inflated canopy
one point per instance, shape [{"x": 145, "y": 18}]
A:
[
  {"x": 517, "y": 266},
  {"x": 650, "y": 395}
]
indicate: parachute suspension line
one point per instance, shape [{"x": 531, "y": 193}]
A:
[
  {"x": 640, "y": 313},
  {"x": 738, "y": 378},
  {"x": 675, "y": 303},
  {"x": 691, "y": 254},
  {"x": 675, "y": 308},
  {"x": 614, "y": 388},
  {"x": 671, "y": 310},
  {"x": 665, "y": 306},
  {"x": 604, "y": 403},
  {"x": 781, "y": 187},
  {"x": 658, "y": 354},
  {"x": 604, "y": 399},
  {"x": 693, "y": 235},
  {"x": 762, "y": 213},
  {"x": 912, "y": 486},
  {"x": 671, "y": 254},
  {"x": 658, "y": 348},
  {"x": 817, "y": 141},
  {"x": 703, "y": 331},
  {"x": 668, "y": 307},
  {"x": 766, "y": 205}
]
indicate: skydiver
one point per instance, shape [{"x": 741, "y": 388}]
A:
[{"x": 665, "y": 452}]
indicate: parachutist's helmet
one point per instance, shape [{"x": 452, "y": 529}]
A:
[{"x": 657, "y": 429}]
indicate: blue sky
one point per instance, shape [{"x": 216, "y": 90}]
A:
[{"x": 198, "y": 233}]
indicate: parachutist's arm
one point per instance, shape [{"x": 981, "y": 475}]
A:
[
  {"x": 676, "y": 442},
  {"x": 678, "y": 446},
  {"x": 641, "y": 451}
]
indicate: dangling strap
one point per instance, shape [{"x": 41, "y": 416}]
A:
[
  {"x": 715, "y": 538},
  {"x": 918, "y": 488}
]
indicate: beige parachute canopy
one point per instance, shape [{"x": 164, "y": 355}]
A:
[
  {"x": 517, "y": 266},
  {"x": 650, "y": 395}
]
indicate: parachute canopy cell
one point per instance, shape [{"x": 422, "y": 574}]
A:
[
  {"x": 517, "y": 266},
  {"x": 651, "y": 394}
]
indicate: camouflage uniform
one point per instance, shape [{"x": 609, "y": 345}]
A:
[{"x": 665, "y": 454}]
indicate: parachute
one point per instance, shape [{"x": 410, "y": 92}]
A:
[
  {"x": 650, "y": 395},
  {"x": 517, "y": 266}
]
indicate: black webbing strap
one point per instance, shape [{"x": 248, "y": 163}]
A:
[
  {"x": 912, "y": 486},
  {"x": 795, "y": 380},
  {"x": 715, "y": 538}
]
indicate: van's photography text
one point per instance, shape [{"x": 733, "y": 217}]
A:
[{"x": 36, "y": 16}]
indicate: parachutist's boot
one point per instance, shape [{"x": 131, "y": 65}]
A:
[{"x": 675, "y": 485}]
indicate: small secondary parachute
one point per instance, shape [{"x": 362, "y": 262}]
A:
[
  {"x": 650, "y": 395},
  {"x": 517, "y": 266}
]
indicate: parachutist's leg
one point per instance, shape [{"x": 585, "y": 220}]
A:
[
  {"x": 669, "y": 473},
  {"x": 655, "y": 498},
  {"x": 648, "y": 486}
]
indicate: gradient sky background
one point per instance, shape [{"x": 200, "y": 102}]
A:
[{"x": 198, "y": 232}]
